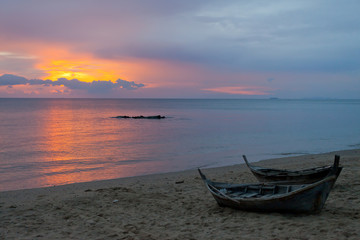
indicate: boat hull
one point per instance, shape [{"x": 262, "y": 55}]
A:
[{"x": 306, "y": 201}]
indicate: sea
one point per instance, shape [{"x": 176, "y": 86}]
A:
[{"x": 51, "y": 142}]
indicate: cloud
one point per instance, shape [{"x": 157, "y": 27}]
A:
[
  {"x": 236, "y": 35},
  {"x": 97, "y": 87},
  {"x": 16, "y": 55},
  {"x": 9, "y": 79}
]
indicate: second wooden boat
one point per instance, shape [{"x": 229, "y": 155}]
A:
[{"x": 297, "y": 177}]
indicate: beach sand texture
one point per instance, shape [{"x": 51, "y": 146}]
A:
[{"x": 178, "y": 206}]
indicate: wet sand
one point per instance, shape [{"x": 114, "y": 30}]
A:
[{"x": 178, "y": 206}]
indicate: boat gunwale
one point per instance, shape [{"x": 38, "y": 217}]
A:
[{"x": 307, "y": 171}]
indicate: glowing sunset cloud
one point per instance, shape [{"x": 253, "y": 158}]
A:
[
  {"x": 69, "y": 74},
  {"x": 61, "y": 63},
  {"x": 67, "y": 69},
  {"x": 241, "y": 90}
]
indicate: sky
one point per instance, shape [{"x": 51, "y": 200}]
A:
[{"x": 180, "y": 49}]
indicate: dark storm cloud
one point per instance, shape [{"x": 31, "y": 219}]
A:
[{"x": 74, "y": 84}]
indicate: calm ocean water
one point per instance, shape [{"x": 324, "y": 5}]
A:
[{"x": 47, "y": 142}]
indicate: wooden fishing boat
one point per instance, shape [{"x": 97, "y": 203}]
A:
[
  {"x": 297, "y": 177},
  {"x": 272, "y": 197}
]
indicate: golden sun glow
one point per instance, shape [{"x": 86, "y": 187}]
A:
[
  {"x": 60, "y": 63},
  {"x": 67, "y": 69},
  {"x": 86, "y": 70}
]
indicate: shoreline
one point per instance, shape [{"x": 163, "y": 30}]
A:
[
  {"x": 284, "y": 160},
  {"x": 178, "y": 206}
]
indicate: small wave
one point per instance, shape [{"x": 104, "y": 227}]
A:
[
  {"x": 290, "y": 153},
  {"x": 73, "y": 171},
  {"x": 354, "y": 145},
  {"x": 127, "y": 162}
]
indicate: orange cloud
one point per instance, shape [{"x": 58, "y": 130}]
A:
[
  {"x": 243, "y": 90},
  {"x": 53, "y": 61},
  {"x": 61, "y": 63}
]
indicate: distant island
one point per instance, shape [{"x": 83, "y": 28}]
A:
[{"x": 142, "y": 117}]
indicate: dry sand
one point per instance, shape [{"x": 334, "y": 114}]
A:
[{"x": 178, "y": 206}]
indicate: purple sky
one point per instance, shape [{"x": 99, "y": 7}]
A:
[{"x": 189, "y": 49}]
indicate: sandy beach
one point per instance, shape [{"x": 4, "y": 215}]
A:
[{"x": 178, "y": 206}]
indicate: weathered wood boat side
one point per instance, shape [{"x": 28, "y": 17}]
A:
[
  {"x": 297, "y": 177},
  {"x": 272, "y": 197}
]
